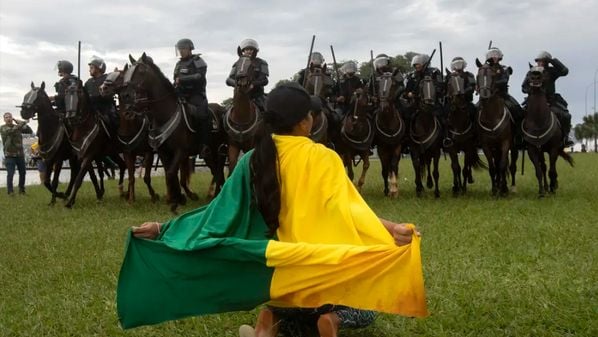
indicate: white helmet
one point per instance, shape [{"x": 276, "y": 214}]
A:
[
  {"x": 249, "y": 43},
  {"x": 494, "y": 52},
  {"x": 458, "y": 63},
  {"x": 419, "y": 59},
  {"x": 543, "y": 56}
]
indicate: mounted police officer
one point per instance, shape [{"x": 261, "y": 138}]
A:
[
  {"x": 501, "y": 81},
  {"x": 65, "y": 71},
  {"x": 552, "y": 70},
  {"x": 259, "y": 79},
  {"x": 103, "y": 105},
  {"x": 422, "y": 70},
  {"x": 382, "y": 66},
  {"x": 458, "y": 65},
  {"x": 318, "y": 65},
  {"x": 349, "y": 82},
  {"x": 190, "y": 84}
]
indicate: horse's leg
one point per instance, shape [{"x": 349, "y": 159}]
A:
[
  {"x": 233, "y": 157},
  {"x": 416, "y": 159},
  {"x": 491, "y": 167},
  {"x": 85, "y": 166},
  {"x": 532, "y": 153},
  {"x": 185, "y": 169},
  {"x": 365, "y": 157},
  {"x": 122, "y": 167},
  {"x": 554, "y": 154},
  {"x": 504, "y": 161},
  {"x": 177, "y": 197},
  {"x": 513, "y": 167},
  {"x": 393, "y": 166},
  {"x": 53, "y": 185},
  {"x": 543, "y": 161},
  {"x": 429, "y": 182},
  {"x": 148, "y": 159},
  {"x": 348, "y": 161},
  {"x": 100, "y": 189},
  {"x": 435, "y": 173},
  {"x": 130, "y": 162},
  {"x": 385, "y": 163},
  {"x": 456, "y": 171},
  {"x": 92, "y": 176}
]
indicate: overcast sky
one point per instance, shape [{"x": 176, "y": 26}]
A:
[{"x": 36, "y": 34}]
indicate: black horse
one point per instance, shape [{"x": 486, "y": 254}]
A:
[
  {"x": 425, "y": 136},
  {"x": 495, "y": 129},
  {"x": 357, "y": 134},
  {"x": 390, "y": 133},
  {"x": 89, "y": 137},
  {"x": 460, "y": 126},
  {"x": 542, "y": 133},
  {"x": 52, "y": 139},
  {"x": 173, "y": 128}
]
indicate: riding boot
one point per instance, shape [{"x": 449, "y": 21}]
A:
[{"x": 565, "y": 119}]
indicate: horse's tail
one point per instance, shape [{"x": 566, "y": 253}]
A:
[
  {"x": 567, "y": 157},
  {"x": 476, "y": 161}
]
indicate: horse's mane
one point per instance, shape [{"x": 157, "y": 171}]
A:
[{"x": 161, "y": 76}]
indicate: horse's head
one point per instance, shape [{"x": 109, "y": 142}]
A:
[
  {"x": 315, "y": 81},
  {"x": 33, "y": 100},
  {"x": 360, "y": 103},
  {"x": 244, "y": 74},
  {"x": 536, "y": 79},
  {"x": 385, "y": 87},
  {"x": 76, "y": 102},
  {"x": 427, "y": 91},
  {"x": 485, "y": 81},
  {"x": 143, "y": 84},
  {"x": 113, "y": 83}
]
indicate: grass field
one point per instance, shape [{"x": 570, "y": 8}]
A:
[{"x": 519, "y": 266}]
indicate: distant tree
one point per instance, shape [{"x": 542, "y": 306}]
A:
[
  {"x": 402, "y": 62},
  {"x": 591, "y": 123}
]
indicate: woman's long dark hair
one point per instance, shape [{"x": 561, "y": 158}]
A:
[{"x": 265, "y": 172}]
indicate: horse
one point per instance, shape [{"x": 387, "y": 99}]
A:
[
  {"x": 425, "y": 133},
  {"x": 242, "y": 117},
  {"x": 132, "y": 133},
  {"x": 460, "y": 126},
  {"x": 321, "y": 130},
  {"x": 172, "y": 131},
  {"x": 495, "y": 131},
  {"x": 390, "y": 130},
  {"x": 542, "y": 133},
  {"x": 53, "y": 142},
  {"x": 89, "y": 137},
  {"x": 357, "y": 135}
]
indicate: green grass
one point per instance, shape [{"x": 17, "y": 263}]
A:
[{"x": 519, "y": 266}]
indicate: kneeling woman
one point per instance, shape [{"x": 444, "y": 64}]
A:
[{"x": 288, "y": 229}]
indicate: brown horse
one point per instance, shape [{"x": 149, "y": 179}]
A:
[
  {"x": 54, "y": 144},
  {"x": 241, "y": 119},
  {"x": 321, "y": 128},
  {"x": 172, "y": 128},
  {"x": 425, "y": 137},
  {"x": 390, "y": 133},
  {"x": 460, "y": 126},
  {"x": 357, "y": 134},
  {"x": 542, "y": 133},
  {"x": 89, "y": 137},
  {"x": 495, "y": 131},
  {"x": 132, "y": 133}
]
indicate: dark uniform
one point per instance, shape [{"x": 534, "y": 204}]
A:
[
  {"x": 347, "y": 86},
  {"x": 103, "y": 105},
  {"x": 191, "y": 88},
  {"x": 555, "y": 100},
  {"x": 65, "y": 69},
  {"x": 259, "y": 79}
]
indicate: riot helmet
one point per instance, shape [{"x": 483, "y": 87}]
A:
[
  {"x": 543, "y": 56},
  {"x": 494, "y": 53},
  {"x": 420, "y": 59},
  {"x": 458, "y": 64},
  {"x": 381, "y": 62},
  {"x": 316, "y": 59},
  {"x": 98, "y": 63},
  {"x": 349, "y": 68},
  {"x": 64, "y": 67},
  {"x": 184, "y": 44}
]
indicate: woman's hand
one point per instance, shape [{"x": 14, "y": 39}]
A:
[
  {"x": 148, "y": 230},
  {"x": 401, "y": 232}
]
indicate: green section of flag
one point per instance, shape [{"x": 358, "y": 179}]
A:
[{"x": 209, "y": 260}]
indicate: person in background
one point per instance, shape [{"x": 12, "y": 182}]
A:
[{"x": 14, "y": 156}]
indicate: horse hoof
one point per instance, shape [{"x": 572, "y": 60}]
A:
[
  {"x": 419, "y": 194},
  {"x": 60, "y": 195},
  {"x": 155, "y": 198},
  {"x": 68, "y": 205},
  {"x": 470, "y": 180},
  {"x": 385, "y": 192},
  {"x": 429, "y": 184},
  {"x": 541, "y": 196},
  {"x": 182, "y": 200},
  {"x": 173, "y": 208},
  {"x": 393, "y": 195},
  {"x": 193, "y": 196},
  {"x": 513, "y": 189}
]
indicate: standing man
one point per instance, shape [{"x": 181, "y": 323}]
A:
[
  {"x": 102, "y": 105},
  {"x": 190, "y": 83},
  {"x": 14, "y": 155}
]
